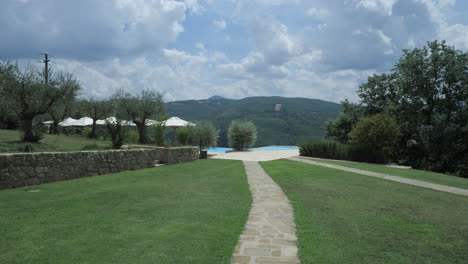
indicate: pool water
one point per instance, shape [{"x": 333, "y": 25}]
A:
[
  {"x": 277, "y": 148},
  {"x": 219, "y": 150},
  {"x": 223, "y": 150}
]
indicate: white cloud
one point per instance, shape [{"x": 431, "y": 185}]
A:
[
  {"x": 194, "y": 7},
  {"x": 219, "y": 24},
  {"x": 89, "y": 30},
  {"x": 383, "y": 6},
  {"x": 456, "y": 35},
  {"x": 318, "y": 13}
]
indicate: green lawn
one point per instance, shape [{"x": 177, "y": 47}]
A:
[
  {"x": 9, "y": 142},
  {"x": 350, "y": 218},
  {"x": 187, "y": 213},
  {"x": 421, "y": 175}
]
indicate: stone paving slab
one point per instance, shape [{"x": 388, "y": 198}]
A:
[
  {"x": 256, "y": 155},
  {"x": 418, "y": 183},
  {"x": 269, "y": 236}
]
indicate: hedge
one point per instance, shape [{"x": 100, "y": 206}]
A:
[{"x": 333, "y": 150}]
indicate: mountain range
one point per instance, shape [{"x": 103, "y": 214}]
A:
[{"x": 279, "y": 120}]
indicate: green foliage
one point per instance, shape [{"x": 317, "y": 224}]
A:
[
  {"x": 333, "y": 150},
  {"x": 26, "y": 148},
  {"x": 139, "y": 108},
  {"x": 339, "y": 128},
  {"x": 378, "y": 132},
  {"x": 183, "y": 135},
  {"x": 28, "y": 95},
  {"x": 86, "y": 131},
  {"x": 242, "y": 134},
  {"x": 428, "y": 96},
  {"x": 203, "y": 134},
  {"x": 159, "y": 134},
  {"x": 132, "y": 136},
  {"x": 298, "y": 121},
  {"x": 117, "y": 128},
  {"x": 68, "y": 131},
  {"x": 95, "y": 109}
]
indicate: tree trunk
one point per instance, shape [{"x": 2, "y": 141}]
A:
[
  {"x": 28, "y": 135},
  {"x": 92, "y": 134},
  {"x": 55, "y": 128},
  {"x": 142, "y": 133}
]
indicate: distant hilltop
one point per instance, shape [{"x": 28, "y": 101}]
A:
[{"x": 216, "y": 97}]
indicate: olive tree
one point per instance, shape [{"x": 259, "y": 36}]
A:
[
  {"x": 117, "y": 126},
  {"x": 139, "y": 108},
  {"x": 28, "y": 95},
  {"x": 96, "y": 109},
  {"x": 59, "y": 112},
  {"x": 242, "y": 134},
  {"x": 203, "y": 134}
]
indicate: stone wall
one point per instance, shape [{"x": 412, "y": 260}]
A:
[{"x": 24, "y": 169}]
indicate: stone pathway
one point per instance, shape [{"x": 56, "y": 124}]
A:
[
  {"x": 418, "y": 183},
  {"x": 269, "y": 236}
]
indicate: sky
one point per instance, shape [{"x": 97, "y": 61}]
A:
[{"x": 193, "y": 49}]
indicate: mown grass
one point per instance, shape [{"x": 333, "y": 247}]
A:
[
  {"x": 350, "y": 218},
  {"x": 10, "y": 142},
  {"x": 421, "y": 175},
  {"x": 187, "y": 213}
]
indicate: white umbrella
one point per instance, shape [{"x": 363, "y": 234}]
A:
[
  {"x": 84, "y": 121},
  {"x": 175, "y": 123},
  {"x": 67, "y": 122},
  {"x": 113, "y": 120}
]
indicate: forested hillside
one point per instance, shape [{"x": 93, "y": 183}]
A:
[{"x": 279, "y": 120}]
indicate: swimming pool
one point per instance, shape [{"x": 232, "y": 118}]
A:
[
  {"x": 223, "y": 150},
  {"x": 277, "y": 148},
  {"x": 219, "y": 150}
]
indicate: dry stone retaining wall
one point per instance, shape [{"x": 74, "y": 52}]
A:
[{"x": 24, "y": 169}]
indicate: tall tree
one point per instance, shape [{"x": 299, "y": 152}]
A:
[
  {"x": 427, "y": 93},
  {"x": 96, "y": 109},
  {"x": 28, "y": 95},
  {"x": 139, "y": 108},
  {"x": 339, "y": 128}
]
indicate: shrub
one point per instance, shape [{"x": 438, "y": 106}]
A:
[
  {"x": 118, "y": 133},
  {"x": 26, "y": 148},
  {"x": 86, "y": 132},
  {"x": 203, "y": 135},
  {"x": 159, "y": 133},
  {"x": 132, "y": 136},
  {"x": 183, "y": 135},
  {"x": 68, "y": 131},
  {"x": 378, "y": 133},
  {"x": 242, "y": 134},
  {"x": 333, "y": 150}
]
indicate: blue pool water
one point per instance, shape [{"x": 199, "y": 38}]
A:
[
  {"x": 218, "y": 150},
  {"x": 276, "y": 148},
  {"x": 223, "y": 150}
]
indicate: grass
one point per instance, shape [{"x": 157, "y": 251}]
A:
[
  {"x": 343, "y": 217},
  {"x": 421, "y": 175},
  {"x": 187, "y": 213},
  {"x": 9, "y": 142}
]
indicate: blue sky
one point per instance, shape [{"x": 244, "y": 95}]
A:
[{"x": 193, "y": 49}]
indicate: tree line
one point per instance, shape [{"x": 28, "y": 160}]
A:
[
  {"x": 417, "y": 114},
  {"x": 29, "y": 95}
]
